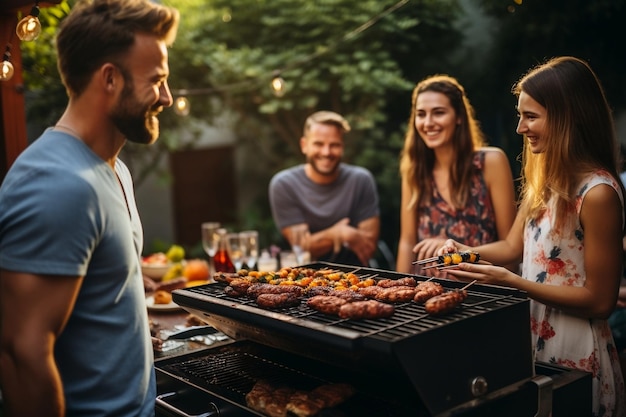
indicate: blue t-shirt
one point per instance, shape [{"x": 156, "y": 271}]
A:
[{"x": 62, "y": 212}]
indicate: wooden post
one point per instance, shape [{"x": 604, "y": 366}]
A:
[{"x": 12, "y": 105}]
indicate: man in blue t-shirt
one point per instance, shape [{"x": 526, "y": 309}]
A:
[
  {"x": 336, "y": 202},
  {"x": 75, "y": 333}
]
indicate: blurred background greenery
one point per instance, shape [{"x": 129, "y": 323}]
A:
[{"x": 357, "y": 57}]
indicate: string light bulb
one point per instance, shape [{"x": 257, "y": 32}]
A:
[
  {"x": 278, "y": 85},
  {"x": 6, "y": 68},
  {"x": 29, "y": 28},
  {"x": 181, "y": 106}
]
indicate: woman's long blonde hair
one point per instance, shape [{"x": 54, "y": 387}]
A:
[
  {"x": 579, "y": 135},
  {"x": 417, "y": 160}
]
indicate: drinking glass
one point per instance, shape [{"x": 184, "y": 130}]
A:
[
  {"x": 234, "y": 250},
  {"x": 210, "y": 241},
  {"x": 249, "y": 240},
  {"x": 300, "y": 242}
]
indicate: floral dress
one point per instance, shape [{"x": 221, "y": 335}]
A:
[
  {"x": 556, "y": 258},
  {"x": 473, "y": 225}
]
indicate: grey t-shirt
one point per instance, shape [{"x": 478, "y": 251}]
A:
[{"x": 295, "y": 199}]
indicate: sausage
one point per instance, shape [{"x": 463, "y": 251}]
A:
[
  {"x": 396, "y": 294},
  {"x": 446, "y": 302},
  {"x": 348, "y": 295},
  {"x": 371, "y": 291},
  {"x": 402, "y": 282},
  {"x": 370, "y": 309},
  {"x": 257, "y": 289},
  {"x": 273, "y": 301},
  {"x": 426, "y": 290},
  {"x": 326, "y": 304}
]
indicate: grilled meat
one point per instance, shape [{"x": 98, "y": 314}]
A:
[
  {"x": 370, "y": 292},
  {"x": 240, "y": 285},
  {"x": 446, "y": 302},
  {"x": 370, "y": 309},
  {"x": 406, "y": 281},
  {"x": 396, "y": 294},
  {"x": 348, "y": 295},
  {"x": 274, "y": 301},
  {"x": 281, "y": 401},
  {"x": 326, "y": 304},
  {"x": 426, "y": 290},
  {"x": 319, "y": 290},
  {"x": 257, "y": 289}
]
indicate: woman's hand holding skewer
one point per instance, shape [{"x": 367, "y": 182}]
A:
[{"x": 483, "y": 272}]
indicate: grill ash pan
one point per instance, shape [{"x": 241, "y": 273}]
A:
[{"x": 475, "y": 351}]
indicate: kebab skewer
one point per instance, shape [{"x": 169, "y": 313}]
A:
[
  {"x": 446, "y": 302},
  {"x": 450, "y": 259}
]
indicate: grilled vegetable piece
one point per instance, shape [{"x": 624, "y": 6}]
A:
[
  {"x": 456, "y": 258},
  {"x": 446, "y": 302}
]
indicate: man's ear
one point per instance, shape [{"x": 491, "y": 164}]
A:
[
  {"x": 109, "y": 74},
  {"x": 302, "y": 144}
]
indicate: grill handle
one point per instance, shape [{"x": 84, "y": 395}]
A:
[
  {"x": 160, "y": 399},
  {"x": 544, "y": 402}
]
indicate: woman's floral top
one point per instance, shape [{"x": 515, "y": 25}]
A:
[
  {"x": 556, "y": 257},
  {"x": 473, "y": 225}
]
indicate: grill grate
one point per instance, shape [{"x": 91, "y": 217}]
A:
[
  {"x": 409, "y": 317},
  {"x": 231, "y": 371}
]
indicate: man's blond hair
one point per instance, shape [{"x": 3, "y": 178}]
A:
[{"x": 326, "y": 118}]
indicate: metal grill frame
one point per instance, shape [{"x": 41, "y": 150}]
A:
[{"x": 487, "y": 337}]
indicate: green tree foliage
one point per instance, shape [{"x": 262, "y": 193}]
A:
[{"x": 342, "y": 55}]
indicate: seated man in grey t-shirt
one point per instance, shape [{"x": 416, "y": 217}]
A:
[{"x": 338, "y": 202}]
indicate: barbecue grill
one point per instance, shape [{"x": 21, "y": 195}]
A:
[{"x": 476, "y": 360}]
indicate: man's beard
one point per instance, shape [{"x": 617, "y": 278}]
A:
[
  {"x": 133, "y": 120},
  {"x": 313, "y": 163}
]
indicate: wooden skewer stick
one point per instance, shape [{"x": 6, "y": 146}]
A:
[
  {"x": 467, "y": 286},
  {"x": 425, "y": 261}
]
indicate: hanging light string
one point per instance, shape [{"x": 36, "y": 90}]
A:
[
  {"x": 277, "y": 81},
  {"x": 6, "y": 67}
]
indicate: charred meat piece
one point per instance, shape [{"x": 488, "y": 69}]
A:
[
  {"x": 334, "y": 394},
  {"x": 426, "y": 290},
  {"x": 348, "y": 295},
  {"x": 326, "y": 304},
  {"x": 304, "y": 404},
  {"x": 371, "y": 291},
  {"x": 396, "y": 294},
  {"x": 274, "y": 301},
  {"x": 269, "y": 400},
  {"x": 231, "y": 292},
  {"x": 240, "y": 285},
  {"x": 402, "y": 282},
  {"x": 319, "y": 290},
  {"x": 225, "y": 276},
  {"x": 446, "y": 302},
  {"x": 370, "y": 309},
  {"x": 257, "y": 289}
]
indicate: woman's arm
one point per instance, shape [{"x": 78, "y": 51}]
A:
[
  {"x": 408, "y": 233},
  {"x": 499, "y": 181},
  {"x": 601, "y": 219}
]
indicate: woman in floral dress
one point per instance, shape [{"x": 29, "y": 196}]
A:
[
  {"x": 569, "y": 227},
  {"x": 452, "y": 185}
]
